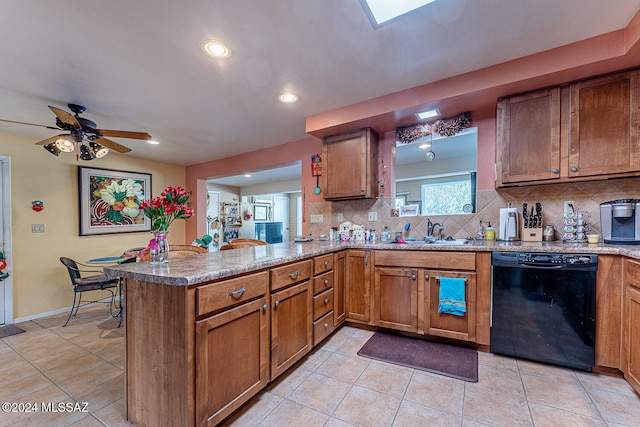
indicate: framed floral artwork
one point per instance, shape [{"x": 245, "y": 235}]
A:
[{"x": 109, "y": 201}]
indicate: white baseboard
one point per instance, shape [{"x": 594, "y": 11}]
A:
[{"x": 51, "y": 313}]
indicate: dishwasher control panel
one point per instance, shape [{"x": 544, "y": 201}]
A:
[{"x": 551, "y": 259}]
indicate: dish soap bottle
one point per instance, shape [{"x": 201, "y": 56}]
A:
[
  {"x": 489, "y": 232},
  {"x": 480, "y": 233}
]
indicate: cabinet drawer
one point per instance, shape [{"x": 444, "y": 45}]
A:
[
  {"x": 322, "y": 264},
  {"x": 322, "y": 282},
  {"x": 632, "y": 272},
  {"x": 289, "y": 274},
  {"x": 217, "y": 296},
  {"x": 322, "y": 327},
  {"x": 322, "y": 304}
]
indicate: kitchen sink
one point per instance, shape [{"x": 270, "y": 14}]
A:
[{"x": 450, "y": 242}]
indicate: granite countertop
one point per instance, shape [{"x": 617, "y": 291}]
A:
[{"x": 216, "y": 265}]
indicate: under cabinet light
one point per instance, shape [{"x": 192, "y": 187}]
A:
[{"x": 423, "y": 115}]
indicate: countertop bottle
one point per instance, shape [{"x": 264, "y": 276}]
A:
[
  {"x": 385, "y": 235},
  {"x": 489, "y": 232}
]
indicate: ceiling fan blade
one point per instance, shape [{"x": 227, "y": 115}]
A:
[
  {"x": 29, "y": 124},
  {"x": 125, "y": 134},
  {"x": 65, "y": 117},
  {"x": 52, "y": 139},
  {"x": 112, "y": 145}
]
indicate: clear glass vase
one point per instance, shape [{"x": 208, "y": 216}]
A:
[{"x": 160, "y": 252}]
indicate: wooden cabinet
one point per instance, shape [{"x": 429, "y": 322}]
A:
[
  {"x": 396, "y": 298},
  {"x": 291, "y": 315},
  {"x": 358, "y": 288},
  {"x": 323, "y": 297},
  {"x": 349, "y": 165},
  {"x": 448, "y": 325},
  {"x": 631, "y": 324},
  {"x": 609, "y": 290},
  {"x": 528, "y": 137},
  {"x": 581, "y": 131},
  {"x": 605, "y": 115},
  {"x": 407, "y": 293},
  {"x": 339, "y": 288},
  {"x": 232, "y": 346}
]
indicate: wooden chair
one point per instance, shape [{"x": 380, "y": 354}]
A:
[
  {"x": 178, "y": 251},
  {"x": 244, "y": 243}
]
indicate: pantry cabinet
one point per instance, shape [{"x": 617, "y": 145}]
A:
[
  {"x": 349, "y": 165},
  {"x": 631, "y": 324},
  {"x": 580, "y": 131}
]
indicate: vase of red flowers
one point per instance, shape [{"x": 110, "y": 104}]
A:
[{"x": 172, "y": 204}]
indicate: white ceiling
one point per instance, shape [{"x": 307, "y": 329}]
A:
[{"x": 139, "y": 66}]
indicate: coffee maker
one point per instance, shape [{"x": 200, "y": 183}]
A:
[{"x": 620, "y": 221}]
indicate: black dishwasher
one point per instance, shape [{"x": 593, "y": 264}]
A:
[{"x": 544, "y": 307}]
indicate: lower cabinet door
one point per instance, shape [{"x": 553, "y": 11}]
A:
[
  {"x": 450, "y": 325},
  {"x": 632, "y": 337},
  {"x": 396, "y": 298},
  {"x": 232, "y": 360},
  {"x": 291, "y": 326}
]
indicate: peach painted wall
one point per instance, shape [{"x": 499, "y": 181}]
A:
[{"x": 268, "y": 158}]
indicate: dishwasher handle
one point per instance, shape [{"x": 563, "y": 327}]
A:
[{"x": 542, "y": 266}]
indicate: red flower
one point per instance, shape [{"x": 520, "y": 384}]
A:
[{"x": 172, "y": 204}]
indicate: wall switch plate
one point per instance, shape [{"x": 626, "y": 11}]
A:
[
  {"x": 373, "y": 216},
  {"x": 340, "y": 217},
  {"x": 37, "y": 228},
  {"x": 569, "y": 206},
  {"x": 316, "y": 218}
]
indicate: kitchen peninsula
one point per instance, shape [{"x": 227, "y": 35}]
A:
[{"x": 204, "y": 334}]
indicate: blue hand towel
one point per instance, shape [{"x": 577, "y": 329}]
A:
[{"x": 452, "y": 299}]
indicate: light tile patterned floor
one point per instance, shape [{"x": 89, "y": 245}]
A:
[{"x": 332, "y": 386}]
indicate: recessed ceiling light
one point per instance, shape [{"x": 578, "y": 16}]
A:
[
  {"x": 216, "y": 49},
  {"x": 288, "y": 98},
  {"x": 423, "y": 115},
  {"x": 424, "y": 145},
  {"x": 381, "y": 11},
  {"x": 152, "y": 142}
]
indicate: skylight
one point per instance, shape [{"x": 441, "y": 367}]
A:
[{"x": 381, "y": 11}]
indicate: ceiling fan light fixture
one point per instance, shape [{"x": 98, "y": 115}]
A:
[
  {"x": 86, "y": 153},
  {"x": 51, "y": 147},
  {"x": 65, "y": 144},
  {"x": 99, "y": 150}
]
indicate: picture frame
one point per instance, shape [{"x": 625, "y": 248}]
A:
[
  {"x": 108, "y": 201},
  {"x": 409, "y": 210},
  {"x": 260, "y": 213}
]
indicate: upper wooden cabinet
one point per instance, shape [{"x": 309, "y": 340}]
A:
[
  {"x": 528, "y": 136},
  {"x": 604, "y": 126},
  {"x": 586, "y": 130},
  {"x": 349, "y": 166}
]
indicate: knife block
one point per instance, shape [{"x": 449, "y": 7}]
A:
[{"x": 531, "y": 234}]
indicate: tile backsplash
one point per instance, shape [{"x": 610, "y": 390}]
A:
[{"x": 587, "y": 196}]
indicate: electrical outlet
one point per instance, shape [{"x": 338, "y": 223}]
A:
[
  {"x": 569, "y": 206},
  {"x": 37, "y": 228},
  {"x": 373, "y": 216},
  {"x": 340, "y": 217},
  {"x": 316, "y": 218}
]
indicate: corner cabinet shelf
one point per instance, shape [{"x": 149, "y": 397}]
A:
[{"x": 349, "y": 165}]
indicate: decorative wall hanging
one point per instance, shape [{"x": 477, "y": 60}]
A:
[
  {"x": 110, "y": 201},
  {"x": 444, "y": 127},
  {"x": 37, "y": 205}
]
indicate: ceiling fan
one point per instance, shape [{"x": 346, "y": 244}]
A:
[{"x": 83, "y": 133}]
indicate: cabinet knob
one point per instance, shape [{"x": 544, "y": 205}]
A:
[
  {"x": 413, "y": 277},
  {"x": 326, "y": 281},
  {"x": 362, "y": 190},
  {"x": 426, "y": 276},
  {"x": 326, "y": 263},
  {"x": 574, "y": 169},
  {"x": 294, "y": 275},
  {"x": 556, "y": 171},
  {"x": 326, "y": 325},
  {"x": 265, "y": 307},
  {"x": 238, "y": 292},
  {"x": 326, "y": 300},
  {"x": 276, "y": 303}
]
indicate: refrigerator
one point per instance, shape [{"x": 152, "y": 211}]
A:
[{"x": 270, "y": 232}]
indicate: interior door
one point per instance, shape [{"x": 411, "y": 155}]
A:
[
  {"x": 6, "y": 314},
  {"x": 281, "y": 214}
]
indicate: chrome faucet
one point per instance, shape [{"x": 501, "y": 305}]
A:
[{"x": 431, "y": 227}]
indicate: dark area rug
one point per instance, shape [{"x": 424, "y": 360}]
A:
[
  {"x": 8, "y": 330},
  {"x": 444, "y": 359}
]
